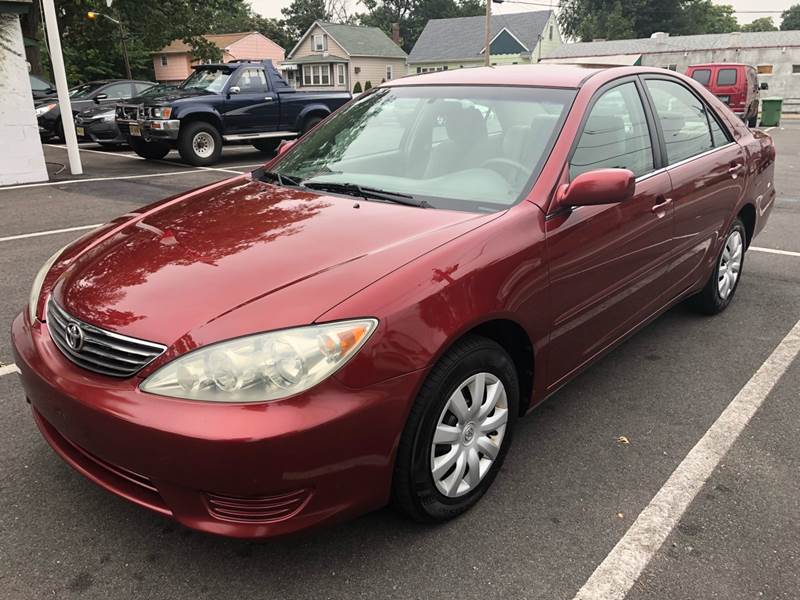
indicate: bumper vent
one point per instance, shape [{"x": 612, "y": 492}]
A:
[
  {"x": 266, "y": 509},
  {"x": 96, "y": 349}
]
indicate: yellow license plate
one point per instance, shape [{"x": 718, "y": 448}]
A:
[
  {"x": 136, "y": 130},
  {"x": 80, "y": 131}
]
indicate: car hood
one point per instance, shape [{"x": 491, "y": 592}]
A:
[
  {"x": 243, "y": 247},
  {"x": 169, "y": 96}
]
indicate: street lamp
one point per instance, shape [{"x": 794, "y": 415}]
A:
[{"x": 92, "y": 15}]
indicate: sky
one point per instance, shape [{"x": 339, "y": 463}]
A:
[{"x": 272, "y": 8}]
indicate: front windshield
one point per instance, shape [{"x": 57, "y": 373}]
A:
[
  {"x": 83, "y": 90},
  {"x": 472, "y": 148},
  {"x": 209, "y": 80}
]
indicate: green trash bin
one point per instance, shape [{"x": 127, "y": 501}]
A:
[{"x": 771, "y": 112}]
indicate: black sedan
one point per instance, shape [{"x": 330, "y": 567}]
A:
[{"x": 87, "y": 95}]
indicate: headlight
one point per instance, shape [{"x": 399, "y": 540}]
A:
[
  {"x": 262, "y": 367},
  {"x": 36, "y": 288},
  {"x": 162, "y": 112},
  {"x": 45, "y": 108},
  {"x": 108, "y": 117}
]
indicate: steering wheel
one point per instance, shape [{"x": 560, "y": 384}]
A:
[{"x": 507, "y": 162}]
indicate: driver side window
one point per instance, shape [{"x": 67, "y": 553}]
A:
[
  {"x": 615, "y": 135},
  {"x": 252, "y": 81}
]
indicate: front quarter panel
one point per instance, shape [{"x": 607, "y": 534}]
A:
[{"x": 495, "y": 272}]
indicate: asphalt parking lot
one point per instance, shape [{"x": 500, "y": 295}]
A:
[{"x": 570, "y": 490}]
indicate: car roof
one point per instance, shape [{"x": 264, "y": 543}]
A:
[
  {"x": 539, "y": 75},
  {"x": 723, "y": 64}
]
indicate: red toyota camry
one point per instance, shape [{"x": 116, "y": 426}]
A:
[{"x": 364, "y": 319}]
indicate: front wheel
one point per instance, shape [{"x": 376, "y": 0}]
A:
[
  {"x": 200, "y": 144},
  {"x": 458, "y": 432},
  {"x": 149, "y": 150},
  {"x": 721, "y": 285}
]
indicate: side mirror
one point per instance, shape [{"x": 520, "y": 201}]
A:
[
  {"x": 285, "y": 145},
  {"x": 603, "y": 186},
  {"x": 100, "y": 97},
  {"x": 234, "y": 89},
  {"x": 764, "y": 86}
]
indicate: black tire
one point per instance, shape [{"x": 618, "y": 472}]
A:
[
  {"x": 189, "y": 150},
  {"x": 110, "y": 145},
  {"x": 149, "y": 150},
  {"x": 310, "y": 123},
  {"x": 60, "y": 137},
  {"x": 709, "y": 301},
  {"x": 414, "y": 491},
  {"x": 267, "y": 146},
  {"x": 752, "y": 121}
]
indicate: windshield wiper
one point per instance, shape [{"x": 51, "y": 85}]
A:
[
  {"x": 353, "y": 189},
  {"x": 279, "y": 178}
]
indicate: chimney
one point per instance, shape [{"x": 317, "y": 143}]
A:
[{"x": 396, "y": 34}]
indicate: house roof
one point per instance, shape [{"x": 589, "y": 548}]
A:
[
  {"x": 316, "y": 58},
  {"x": 463, "y": 38},
  {"x": 358, "y": 41},
  {"x": 221, "y": 40},
  {"x": 683, "y": 43}
]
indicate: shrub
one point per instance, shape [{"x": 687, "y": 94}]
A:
[
  {"x": 367, "y": 85},
  {"x": 357, "y": 88}
]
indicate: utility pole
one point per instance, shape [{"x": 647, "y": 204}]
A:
[
  {"x": 487, "y": 59},
  {"x": 57, "y": 60}
]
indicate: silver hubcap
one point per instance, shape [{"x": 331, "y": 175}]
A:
[
  {"x": 730, "y": 263},
  {"x": 469, "y": 434},
  {"x": 203, "y": 144}
]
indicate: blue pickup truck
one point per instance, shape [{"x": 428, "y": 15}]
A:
[{"x": 218, "y": 104}]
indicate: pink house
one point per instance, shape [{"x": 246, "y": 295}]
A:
[{"x": 173, "y": 63}]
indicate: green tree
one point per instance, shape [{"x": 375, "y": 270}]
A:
[
  {"x": 703, "y": 16},
  {"x": 762, "y": 24},
  {"x": 300, "y": 15},
  {"x": 790, "y": 19}
]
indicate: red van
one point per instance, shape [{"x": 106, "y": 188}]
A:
[{"x": 735, "y": 84}]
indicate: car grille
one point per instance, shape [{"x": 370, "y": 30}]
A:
[
  {"x": 129, "y": 112},
  {"x": 96, "y": 349},
  {"x": 265, "y": 509}
]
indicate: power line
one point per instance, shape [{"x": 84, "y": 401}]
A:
[{"x": 740, "y": 12}]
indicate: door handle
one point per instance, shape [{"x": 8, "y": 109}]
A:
[
  {"x": 734, "y": 169},
  {"x": 661, "y": 205}
]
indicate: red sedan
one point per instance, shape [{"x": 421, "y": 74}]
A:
[{"x": 364, "y": 319}]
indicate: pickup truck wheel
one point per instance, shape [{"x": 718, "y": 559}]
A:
[
  {"x": 200, "y": 144},
  {"x": 268, "y": 146},
  {"x": 310, "y": 123},
  {"x": 151, "y": 150}
]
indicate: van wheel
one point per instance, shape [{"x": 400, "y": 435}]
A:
[
  {"x": 200, "y": 144},
  {"x": 149, "y": 150},
  {"x": 268, "y": 146},
  {"x": 458, "y": 432},
  {"x": 752, "y": 121}
]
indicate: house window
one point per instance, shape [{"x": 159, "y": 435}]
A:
[
  {"x": 340, "y": 73},
  {"x": 764, "y": 69},
  {"x": 419, "y": 70},
  {"x": 164, "y": 60},
  {"x": 389, "y": 72},
  {"x": 316, "y": 75},
  {"x": 319, "y": 42},
  {"x": 796, "y": 69},
  {"x": 550, "y": 35}
]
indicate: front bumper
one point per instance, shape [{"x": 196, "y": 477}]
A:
[
  {"x": 151, "y": 129},
  {"x": 247, "y": 471},
  {"x": 102, "y": 132}
]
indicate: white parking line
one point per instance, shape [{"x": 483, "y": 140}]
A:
[
  {"x": 617, "y": 574},
  {"x": 23, "y": 236},
  {"x": 774, "y": 251},
  {"x": 8, "y": 369},
  {"x": 91, "y": 179}
]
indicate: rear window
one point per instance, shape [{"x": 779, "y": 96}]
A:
[
  {"x": 702, "y": 76},
  {"x": 726, "y": 77}
]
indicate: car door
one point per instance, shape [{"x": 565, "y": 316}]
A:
[
  {"x": 607, "y": 262},
  {"x": 706, "y": 168},
  {"x": 250, "y": 106}
]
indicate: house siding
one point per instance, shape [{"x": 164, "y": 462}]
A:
[
  {"x": 306, "y": 48},
  {"x": 256, "y": 46},
  {"x": 374, "y": 70},
  {"x": 177, "y": 69}
]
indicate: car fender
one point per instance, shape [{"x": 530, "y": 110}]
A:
[
  {"x": 198, "y": 112},
  {"x": 317, "y": 108}
]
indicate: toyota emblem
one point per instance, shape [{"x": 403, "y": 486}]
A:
[{"x": 74, "y": 336}]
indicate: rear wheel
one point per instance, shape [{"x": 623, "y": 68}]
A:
[
  {"x": 150, "y": 150},
  {"x": 267, "y": 146},
  {"x": 200, "y": 144},
  {"x": 458, "y": 432},
  {"x": 310, "y": 123},
  {"x": 752, "y": 121},
  {"x": 721, "y": 285}
]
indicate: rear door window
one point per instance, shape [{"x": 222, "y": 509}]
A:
[
  {"x": 615, "y": 135},
  {"x": 702, "y": 76},
  {"x": 684, "y": 120},
  {"x": 726, "y": 77}
]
